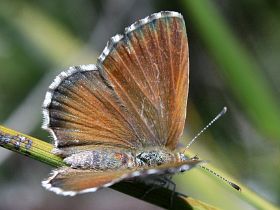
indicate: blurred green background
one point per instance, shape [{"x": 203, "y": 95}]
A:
[{"x": 234, "y": 62}]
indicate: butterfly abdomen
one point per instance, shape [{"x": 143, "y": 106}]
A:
[{"x": 100, "y": 160}]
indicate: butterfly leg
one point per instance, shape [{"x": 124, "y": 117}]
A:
[
  {"x": 152, "y": 188},
  {"x": 161, "y": 182},
  {"x": 154, "y": 182},
  {"x": 170, "y": 185}
]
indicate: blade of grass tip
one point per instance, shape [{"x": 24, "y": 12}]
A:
[
  {"x": 241, "y": 70},
  {"x": 42, "y": 151}
]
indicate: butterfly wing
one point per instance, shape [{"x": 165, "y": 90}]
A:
[
  {"x": 81, "y": 109},
  {"x": 148, "y": 68},
  {"x": 68, "y": 181},
  {"x": 135, "y": 97}
]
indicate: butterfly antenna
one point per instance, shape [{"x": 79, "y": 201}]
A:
[
  {"x": 235, "y": 186},
  {"x": 224, "y": 110}
]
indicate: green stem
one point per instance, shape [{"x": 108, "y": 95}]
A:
[{"x": 29, "y": 146}]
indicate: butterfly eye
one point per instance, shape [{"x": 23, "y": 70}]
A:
[{"x": 184, "y": 168}]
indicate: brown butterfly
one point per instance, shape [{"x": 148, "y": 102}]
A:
[{"x": 123, "y": 117}]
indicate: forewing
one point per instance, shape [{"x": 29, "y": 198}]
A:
[
  {"x": 137, "y": 96},
  {"x": 68, "y": 181},
  {"x": 148, "y": 69},
  {"x": 81, "y": 108}
]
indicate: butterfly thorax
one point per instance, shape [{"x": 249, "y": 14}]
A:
[
  {"x": 121, "y": 159},
  {"x": 155, "y": 157}
]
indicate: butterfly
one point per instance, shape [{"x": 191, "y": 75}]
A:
[{"x": 123, "y": 117}]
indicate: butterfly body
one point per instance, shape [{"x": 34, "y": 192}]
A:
[
  {"x": 123, "y": 117},
  {"x": 108, "y": 159}
]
